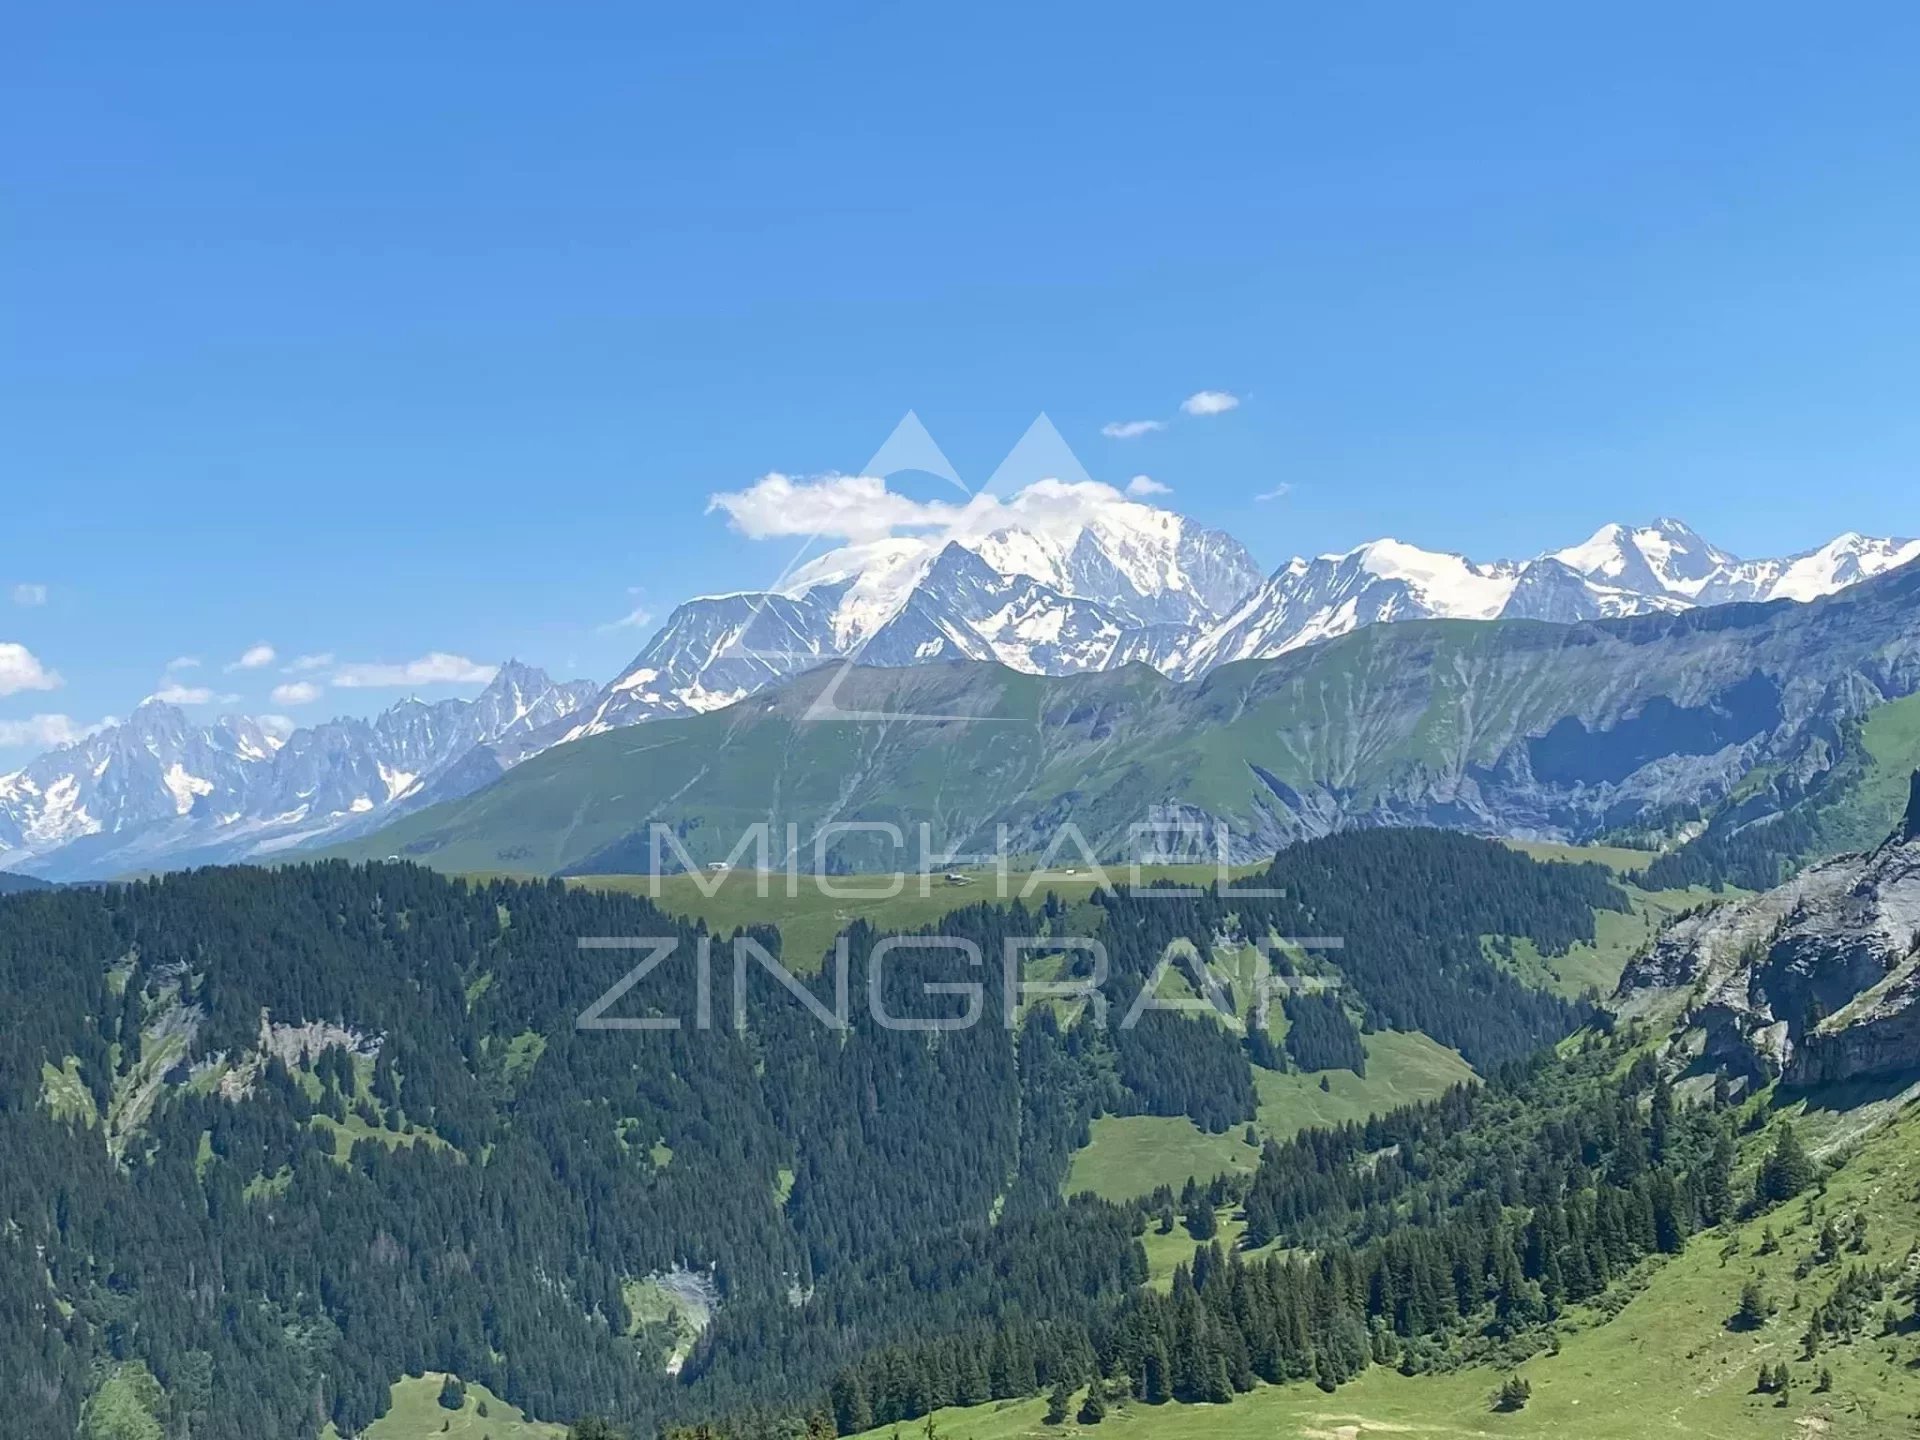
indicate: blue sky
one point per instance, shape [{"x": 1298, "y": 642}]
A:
[{"x": 380, "y": 330}]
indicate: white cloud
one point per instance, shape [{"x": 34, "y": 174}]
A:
[
  {"x": 277, "y": 725},
  {"x": 1131, "y": 429},
  {"x": 307, "y": 664},
  {"x": 172, "y": 692},
  {"x": 1141, "y": 486},
  {"x": 854, "y": 507},
  {"x": 46, "y": 732},
  {"x": 184, "y": 662},
  {"x": 861, "y": 509},
  {"x": 1278, "y": 492},
  {"x": 1210, "y": 402},
  {"x": 20, "y": 669},
  {"x": 254, "y": 657},
  {"x": 29, "y": 595},
  {"x": 296, "y": 692},
  {"x": 435, "y": 668}
]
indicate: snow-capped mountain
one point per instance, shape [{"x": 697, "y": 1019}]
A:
[
  {"x": 1668, "y": 558},
  {"x": 965, "y": 609},
  {"x": 1131, "y": 584},
  {"x": 159, "y": 787},
  {"x": 1092, "y": 583},
  {"x": 1664, "y": 558},
  {"x": 1119, "y": 582},
  {"x": 1662, "y": 567}
]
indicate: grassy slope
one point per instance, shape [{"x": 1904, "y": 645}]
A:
[
  {"x": 1617, "y": 858},
  {"x": 1618, "y": 938},
  {"x": 1665, "y": 1366},
  {"x": 1133, "y": 1154},
  {"x": 1890, "y": 735},
  {"x": 808, "y": 921},
  {"x": 416, "y": 1415}
]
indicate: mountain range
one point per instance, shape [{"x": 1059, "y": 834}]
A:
[
  {"x": 1139, "y": 584},
  {"x": 1639, "y": 726},
  {"x": 160, "y": 790},
  {"x": 1118, "y": 584}
]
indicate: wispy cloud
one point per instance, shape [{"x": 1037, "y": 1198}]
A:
[
  {"x": 254, "y": 657},
  {"x": 1131, "y": 429},
  {"x": 29, "y": 594},
  {"x": 296, "y": 692},
  {"x": 1141, "y": 486},
  {"x": 635, "y": 619},
  {"x": 277, "y": 725},
  {"x": 1210, "y": 402},
  {"x": 434, "y": 668},
  {"x": 20, "y": 669},
  {"x": 172, "y": 692},
  {"x": 184, "y": 662},
  {"x": 46, "y": 732},
  {"x": 1278, "y": 492},
  {"x": 307, "y": 664}
]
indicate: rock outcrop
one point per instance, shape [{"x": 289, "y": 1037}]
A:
[{"x": 1814, "y": 983}]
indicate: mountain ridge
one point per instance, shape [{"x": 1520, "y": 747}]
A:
[
  {"x": 1527, "y": 729},
  {"x": 159, "y": 788},
  {"x": 1164, "y": 594}
]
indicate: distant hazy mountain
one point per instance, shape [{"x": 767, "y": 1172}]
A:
[
  {"x": 1509, "y": 728},
  {"x": 160, "y": 789}
]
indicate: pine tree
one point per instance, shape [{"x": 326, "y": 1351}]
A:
[
  {"x": 1754, "y": 1308},
  {"x": 1094, "y": 1408},
  {"x": 1786, "y": 1171},
  {"x": 1157, "y": 1379},
  {"x": 852, "y": 1410},
  {"x": 1058, "y": 1404},
  {"x": 1512, "y": 1395}
]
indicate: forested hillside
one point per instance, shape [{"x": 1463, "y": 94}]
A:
[{"x": 276, "y": 1139}]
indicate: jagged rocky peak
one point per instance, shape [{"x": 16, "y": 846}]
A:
[{"x": 1814, "y": 983}]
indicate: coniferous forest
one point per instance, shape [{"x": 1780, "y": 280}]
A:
[{"x": 284, "y": 1136}]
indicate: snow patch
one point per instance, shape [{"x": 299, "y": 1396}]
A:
[{"x": 184, "y": 788}]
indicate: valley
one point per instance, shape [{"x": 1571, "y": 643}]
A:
[
  {"x": 908, "y": 722},
  {"x": 1126, "y": 1116}
]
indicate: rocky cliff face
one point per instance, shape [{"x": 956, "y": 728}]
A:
[{"x": 1815, "y": 983}]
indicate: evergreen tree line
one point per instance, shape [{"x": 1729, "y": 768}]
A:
[{"x": 1582, "y": 1179}]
